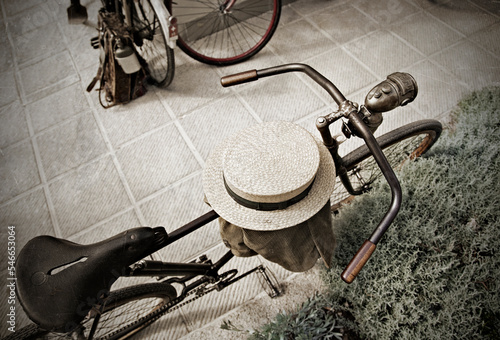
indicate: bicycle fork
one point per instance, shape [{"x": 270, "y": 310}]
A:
[
  {"x": 226, "y": 6},
  {"x": 167, "y": 21}
]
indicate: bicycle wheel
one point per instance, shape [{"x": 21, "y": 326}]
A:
[
  {"x": 405, "y": 143},
  {"x": 213, "y": 34},
  {"x": 125, "y": 313},
  {"x": 150, "y": 42}
]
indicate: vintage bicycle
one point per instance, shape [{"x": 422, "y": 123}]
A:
[
  {"x": 66, "y": 288},
  {"x": 211, "y": 31}
]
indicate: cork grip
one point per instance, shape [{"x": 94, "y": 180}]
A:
[
  {"x": 239, "y": 78},
  {"x": 358, "y": 261}
]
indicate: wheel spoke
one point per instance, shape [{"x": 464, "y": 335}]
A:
[{"x": 225, "y": 37}]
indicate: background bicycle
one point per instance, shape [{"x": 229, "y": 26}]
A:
[
  {"x": 73, "y": 153},
  {"x": 212, "y": 32}
]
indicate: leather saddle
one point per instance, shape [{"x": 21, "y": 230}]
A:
[{"x": 59, "y": 281}]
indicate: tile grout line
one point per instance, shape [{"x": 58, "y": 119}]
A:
[
  {"x": 25, "y": 98},
  {"x": 444, "y": 68},
  {"x": 182, "y": 132},
  {"x": 61, "y": 123},
  {"x": 426, "y": 11},
  {"x": 99, "y": 223},
  {"x": 144, "y": 135},
  {"x": 23, "y": 194},
  {"x": 468, "y": 38},
  {"x": 165, "y": 189},
  {"x": 361, "y": 63},
  {"x": 92, "y": 161},
  {"x": 116, "y": 162},
  {"x": 139, "y": 202},
  {"x": 189, "y": 143},
  {"x": 240, "y": 98},
  {"x": 473, "y": 3},
  {"x": 43, "y": 177},
  {"x": 66, "y": 44},
  {"x": 76, "y": 168},
  {"x": 314, "y": 115},
  {"x": 282, "y": 61},
  {"x": 68, "y": 81},
  {"x": 36, "y": 152},
  {"x": 17, "y": 76},
  {"x": 321, "y": 94},
  {"x": 425, "y": 58}
]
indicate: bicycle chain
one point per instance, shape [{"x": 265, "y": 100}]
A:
[{"x": 173, "y": 305}]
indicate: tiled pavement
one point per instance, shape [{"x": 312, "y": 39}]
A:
[{"x": 72, "y": 169}]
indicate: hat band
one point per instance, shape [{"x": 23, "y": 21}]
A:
[{"x": 267, "y": 206}]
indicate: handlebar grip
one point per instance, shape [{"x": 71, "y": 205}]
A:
[
  {"x": 358, "y": 261},
  {"x": 239, "y": 78}
]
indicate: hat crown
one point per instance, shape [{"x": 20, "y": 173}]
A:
[{"x": 271, "y": 162}]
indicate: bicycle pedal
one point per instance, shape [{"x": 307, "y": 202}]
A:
[
  {"x": 269, "y": 282},
  {"x": 94, "y": 42}
]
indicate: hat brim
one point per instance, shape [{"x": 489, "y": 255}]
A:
[{"x": 230, "y": 210}]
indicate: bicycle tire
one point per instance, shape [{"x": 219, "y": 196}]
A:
[
  {"x": 215, "y": 37},
  {"x": 151, "y": 44},
  {"x": 125, "y": 314},
  {"x": 400, "y": 145}
]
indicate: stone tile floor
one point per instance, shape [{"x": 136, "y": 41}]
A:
[{"x": 71, "y": 169}]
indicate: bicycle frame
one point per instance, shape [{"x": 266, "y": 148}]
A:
[
  {"x": 167, "y": 21},
  {"x": 184, "y": 272}
]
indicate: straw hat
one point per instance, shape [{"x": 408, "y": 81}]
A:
[{"x": 270, "y": 176}]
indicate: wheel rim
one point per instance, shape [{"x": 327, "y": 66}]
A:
[
  {"x": 124, "y": 313},
  {"x": 115, "y": 316},
  {"x": 235, "y": 35}
]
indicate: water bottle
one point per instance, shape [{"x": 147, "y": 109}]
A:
[{"x": 126, "y": 58}]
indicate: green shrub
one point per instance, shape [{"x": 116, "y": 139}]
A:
[
  {"x": 435, "y": 273},
  {"x": 312, "y": 321}
]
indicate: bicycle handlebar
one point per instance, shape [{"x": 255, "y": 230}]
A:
[
  {"x": 239, "y": 78},
  {"x": 368, "y": 247},
  {"x": 360, "y": 130},
  {"x": 248, "y": 76}
]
